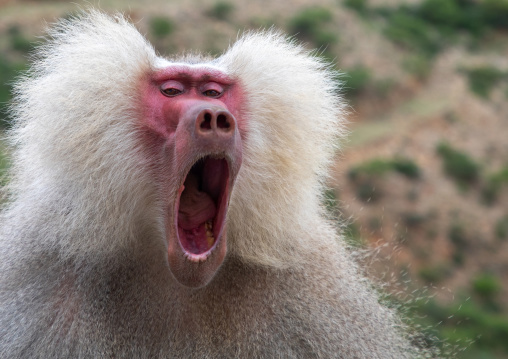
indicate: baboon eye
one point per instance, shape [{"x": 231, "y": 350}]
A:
[
  {"x": 171, "y": 88},
  {"x": 212, "y": 93},
  {"x": 171, "y": 92},
  {"x": 212, "y": 89}
]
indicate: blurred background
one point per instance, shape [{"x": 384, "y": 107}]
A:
[{"x": 422, "y": 181}]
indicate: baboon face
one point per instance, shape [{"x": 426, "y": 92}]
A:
[{"x": 192, "y": 127}]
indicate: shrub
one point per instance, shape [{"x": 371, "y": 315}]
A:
[
  {"x": 457, "y": 235},
  {"x": 356, "y": 80},
  {"x": 429, "y": 25},
  {"x": 458, "y": 257},
  {"x": 412, "y": 33},
  {"x": 439, "y": 12},
  {"x": 406, "y": 167},
  {"x": 413, "y": 219},
  {"x": 365, "y": 175},
  {"x": 8, "y": 72},
  {"x": 458, "y": 165},
  {"x": 453, "y": 15},
  {"x": 18, "y": 41},
  {"x": 434, "y": 275},
  {"x": 371, "y": 168},
  {"x": 323, "y": 39},
  {"x": 483, "y": 79},
  {"x": 359, "y": 6},
  {"x": 366, "y": 191},
  {"x": 161, "y": 27},
  {"x": 467, "y": 325},
  {"x": 308, "y": 22},
  {"x": 493, "y": 185},
  {"x": 4, "y": 165},
  {"x": 221, "y": 10},
  {"x": 378, "y": 167},
  {"x": 308, "y": 25},
  {"x": 495, "y": 13},
  {"x": 486, "y": 285},
  {"x": 501, "y": 229}
]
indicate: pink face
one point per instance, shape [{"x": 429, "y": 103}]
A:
[{"x": 193, "y": 127}]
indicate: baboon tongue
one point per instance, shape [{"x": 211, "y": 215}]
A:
[{"x": 196, "y": 207}]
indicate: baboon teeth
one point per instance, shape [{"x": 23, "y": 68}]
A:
[{"x": 209, "y": 234}]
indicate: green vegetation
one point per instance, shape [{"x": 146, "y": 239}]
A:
[
  {"x": 449, "y": 17},
  {"x": 406, "y": 167},
  {"x": 352, "y": 236},
  {"x": 373, "y": 167},
  {"x": 425, "y": 28},
  {"x": 7, "y": 72},
  {"x": 486, "y": 285},
  {"x": 452, "y": 15},
  {"x": 221, "y": 10},
  {"x": 475, "y": 330},
  {"x": 418, "y": 65},
  {"x": 435, "y": 274},
  {"x": 383, "y": 87},
  {"x": 350, "y": 230},
  {"x": 412, "y": 219},
  {"x": 366, "y": 191},
  {"x": 412, "y": 33},
  {"x": 365, "y": 176},
  {"x": 377, "y": 167},
  {"x": 18, "y": 41},
  {"x": 310, "y": 25},
  {"x": 160, "y": 27},
  {"x": 494, "y": 184},
  {"x": 18, "y": 47},
  {"x": 483, "y": 79},
  {"x": 460, "y": 239},
  {"x": 330, "y": 201},
  {"x": 4, "y": 165},
  {"x": 458, "y": 165},
  {"x": 486, "y": 288},
  {"x": 501, "y": 229},
  {"x": 457, "y": 235},
  {"x": 358, "y": 5},
  {"x": 356, "y": 80},
  {"x": 494, "y": 13}
]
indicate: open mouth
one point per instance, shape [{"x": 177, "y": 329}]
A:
[{"x": 201, "y": 206}]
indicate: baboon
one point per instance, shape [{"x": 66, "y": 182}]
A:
[{"x": 172, "y": 208}]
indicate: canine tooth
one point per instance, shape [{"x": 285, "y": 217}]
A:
[
  {"x": 209, "y": 234},
  {"x": 210, "y": 240}
]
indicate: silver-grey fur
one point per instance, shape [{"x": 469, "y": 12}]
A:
[{"x": 83, "y": 265}]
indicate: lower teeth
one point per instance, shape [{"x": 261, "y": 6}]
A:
[{"x": 209, "y": 234}]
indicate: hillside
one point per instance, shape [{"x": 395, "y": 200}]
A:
[{"x": 423, "y": 179}]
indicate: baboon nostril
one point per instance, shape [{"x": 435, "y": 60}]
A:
[
  {"x": 206, "y": 124},
  {"x": 223, "y": 122},
  {"x": 212, "y": 122}
]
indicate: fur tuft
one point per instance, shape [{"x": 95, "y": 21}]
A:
[{"x": 295, "y": 124}]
